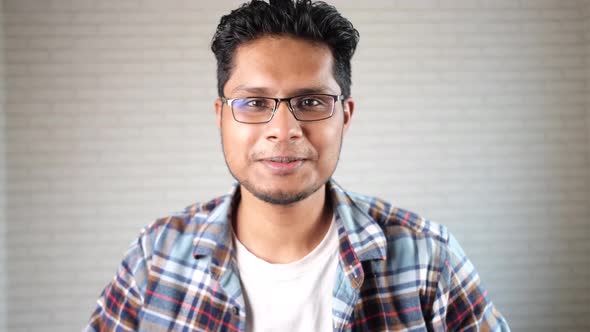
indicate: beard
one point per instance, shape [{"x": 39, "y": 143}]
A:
[{"x": 278, "y": 196}]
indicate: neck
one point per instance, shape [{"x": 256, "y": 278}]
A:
[{"x": 282, "y": 234}]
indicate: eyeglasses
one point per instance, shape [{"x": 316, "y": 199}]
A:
[{"x": 312, "y": 107}]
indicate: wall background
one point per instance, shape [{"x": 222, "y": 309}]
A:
[
  {"x": 3, "y": 261},
  {"x": 472, "y": 113},
  {"x": 588, "y": 74}
]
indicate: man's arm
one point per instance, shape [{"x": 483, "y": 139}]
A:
[
  {"x": 462, "y": 304},
  {"x": 119, "y": 304}
]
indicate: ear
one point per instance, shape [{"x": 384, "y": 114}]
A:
[
  {"x": 218, "y": 111},
  {"x": 347, "y": 110}
]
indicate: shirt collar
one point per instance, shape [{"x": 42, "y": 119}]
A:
[
  {"x": 361, "y": 238},
  {"x": 363, "y": 233},
  {"x": 214, "y": 237}
]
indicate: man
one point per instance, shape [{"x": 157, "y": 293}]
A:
[{"x": 288, "y": 249}]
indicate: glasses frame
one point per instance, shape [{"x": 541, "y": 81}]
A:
[{"x": 230, "y": 101}]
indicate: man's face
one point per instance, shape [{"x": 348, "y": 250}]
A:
[{"x": 284, "y": 160}]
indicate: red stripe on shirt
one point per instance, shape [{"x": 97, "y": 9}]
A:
[
  {"x": 469, "y": 310},
  {"x": 405, "y": 221},
  {"x": 119, "y": 305},
  {"x": 192, "y": 307},
  {"x": 385, "y": 314}
]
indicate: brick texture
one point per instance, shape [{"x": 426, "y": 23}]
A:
[
  {"x": 3, "y": 259},
  {"x": 472, "y": 113},
  {"x": 587, "y": 29}
]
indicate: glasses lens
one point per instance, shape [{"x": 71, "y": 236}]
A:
[
  {"x": 253, "y": 110},
  {"x": 313, "y": 107}
]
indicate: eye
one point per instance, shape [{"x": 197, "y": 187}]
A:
[
  {"x": 256, "y": 103},
  {"x": 253, "y": 104},
  {"x": 309, "y": 102},
  {"x": 313, "y": 103}
]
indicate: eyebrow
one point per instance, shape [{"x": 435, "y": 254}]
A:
[{"x": 262, "y": 91}]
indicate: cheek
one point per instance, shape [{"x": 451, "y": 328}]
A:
[
  {"x": 327, "y": 142},
  {"x": 237, "y": 141}
]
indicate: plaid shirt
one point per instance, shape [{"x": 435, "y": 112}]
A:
[{"x": 397, "y": 272}]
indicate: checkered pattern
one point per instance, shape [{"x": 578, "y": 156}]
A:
[{"x": 397, "y": 272}]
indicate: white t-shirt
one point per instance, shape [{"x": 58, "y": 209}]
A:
[{"x": 290, "y": 297}]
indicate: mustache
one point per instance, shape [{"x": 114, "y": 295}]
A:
[{"x": 285, "y": 154}]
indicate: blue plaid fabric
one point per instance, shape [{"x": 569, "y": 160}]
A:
[{"x": 397, "y": 272}]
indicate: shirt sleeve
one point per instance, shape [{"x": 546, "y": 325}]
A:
[
  {"x": 462, "y": 303},
  {"x": 120, "y": 303}
]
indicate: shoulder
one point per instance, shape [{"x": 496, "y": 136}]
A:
[
  {"x": 173, "y": 235},
  {"x": 185, "y": 220},
  {"x": 411, "y": 240},
  {"x": 397, "y": 222}
]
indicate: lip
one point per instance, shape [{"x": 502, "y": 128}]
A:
[{"x": 283, "y": 165}]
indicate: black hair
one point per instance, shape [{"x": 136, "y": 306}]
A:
[{"x": 313, "y": 21}]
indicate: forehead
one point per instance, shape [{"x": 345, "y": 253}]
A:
[{"x": 282, "y": 65}]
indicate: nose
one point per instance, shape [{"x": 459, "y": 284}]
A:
[{"x": 283, "y": 126}]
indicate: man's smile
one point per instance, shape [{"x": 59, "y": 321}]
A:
[{"x": 283, "y": 165}]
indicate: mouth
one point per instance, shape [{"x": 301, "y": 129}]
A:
[
  {"x": 283, "y": 165},
  {"x": 285, "y": 159}
]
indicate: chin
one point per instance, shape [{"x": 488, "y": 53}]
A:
[{"x": 281, "y": 196}]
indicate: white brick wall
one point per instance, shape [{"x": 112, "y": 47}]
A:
[
  {"x": 3, "y": 274},
  {"x": 588, "y": 83},
  {"x": 473, "y": 113}
]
